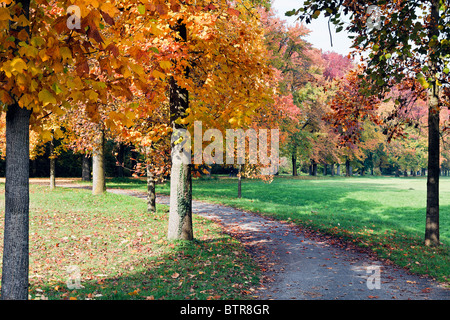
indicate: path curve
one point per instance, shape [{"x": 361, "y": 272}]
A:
[{"x": 299, "y": 267}]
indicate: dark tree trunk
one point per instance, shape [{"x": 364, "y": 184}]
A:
[
  {"x": 294, "y": 165},
  {"x": 313, "y": 170},
  {"x": 432, "y": 213},
  {"x": 120, "y": 160},
  {"x": 325, "y": 169},
  {"x": 180, "y": 214},
  {"x": 338, "y": 170},
  {"x": 16, "y": 228},
  {"x": 151, "y": 191},
  {"x": 348, "y": 168},
  {"x": 332, "y": 169},
  {"x": 85, "y": 168}
]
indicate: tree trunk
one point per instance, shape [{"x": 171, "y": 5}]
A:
[
  {"x": 151, "y": 191},
  {"x": 16, "y": 228},
  {"x": 332, "y": 169},
  {"x": 325, "y": 169},
  {"x": 120, "y": 160},
  {"x": 98, "y": 165},
  {"x": 85, "y": 169},
  {"x": 180, "y": 214},
  {"x": 52, "y": 165},
  {"x": 239, "y": 183},
  {"x": 294, "y": 165},
  {"x": 314, "y": 168},
  {"x": 348, "y": 168},
  {"x": 432, "y": 212},
  {"x": 338, "y": 170}
]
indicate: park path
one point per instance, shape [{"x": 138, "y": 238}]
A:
[
  {"x": 298, "y": 265},
  {"x": 301, "y": 266}
]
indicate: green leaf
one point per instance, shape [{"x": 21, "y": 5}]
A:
[{"x": 141, "y": 9}]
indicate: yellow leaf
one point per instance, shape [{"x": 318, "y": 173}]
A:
[
  {"x": 109, "y": 8},
  {"x": 4, "y": 14},
  {"x": 46, "y": 97},
  {"x": 65, "y": 53},
  {"x": 158, "y": 74},
  {"x": 46, "y": 135},
  {"x": 165, "y": 64}
]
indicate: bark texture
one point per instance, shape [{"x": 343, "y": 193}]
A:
[
  {"x": 98, "y": 166},
  {"x": 151, "y": 191},
  {"x": 86, "y": 169},
  {"x": 180, "y": 213},
  {"x": 16, "y": 229},
  {"x": 432, "y": 213}
]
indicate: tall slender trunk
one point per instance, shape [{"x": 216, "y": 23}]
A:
[
  {"x": 294, "y": 165},
  {"x": 432, "y": 212},
  {"x": 240, "y": 183},
  {"x": 85, "y": 168},
  {"x": 120, "y": 160},
  {"x": 98, "y": 165},
  {"x": 313, "y": 170},
  {"x": 151, "y": 191},
  {"x": 348, "y": 168},
  {"x": 180, "y": 213},
  {"x": 16, "y": 228},
  {"x": 52, "y": 165}
]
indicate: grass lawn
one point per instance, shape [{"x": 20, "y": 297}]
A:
[
  {"x": 384, "y": 214},
  {"x": 122, "y": 252}
]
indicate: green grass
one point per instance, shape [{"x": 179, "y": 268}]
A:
[
  {"x": 386, "y": 215},
  {"x": 122, "y": 251}
]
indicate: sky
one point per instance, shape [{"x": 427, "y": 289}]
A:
[{"x": 320, "y": 36}]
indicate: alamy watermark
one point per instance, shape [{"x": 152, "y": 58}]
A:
[
  {"x": 374, "y": 20},
  {"x": 374, "y": 277},
  {"x": 235, "y": 151},
  {"x": 74, "y": 278},
  {"x": 74, "y": 20}
]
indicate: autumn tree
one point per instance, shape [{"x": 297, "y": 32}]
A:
[
  {"x": 404, "y": 39},
  {"x": 45, "y": 68}
]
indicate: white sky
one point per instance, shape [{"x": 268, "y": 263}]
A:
[{"x": 319, "y": 36}]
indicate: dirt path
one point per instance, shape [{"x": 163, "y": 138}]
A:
[{"x": 298, "y": 266}]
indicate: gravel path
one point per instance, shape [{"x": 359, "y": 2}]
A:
[{"x": 303, "y": 267}]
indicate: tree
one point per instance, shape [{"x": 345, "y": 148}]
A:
[
  {"x": 410, "y": 39},
  {"x": 44, "y": 69}
]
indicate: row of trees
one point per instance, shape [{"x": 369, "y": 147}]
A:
[{"x": 134, "y": 72}]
